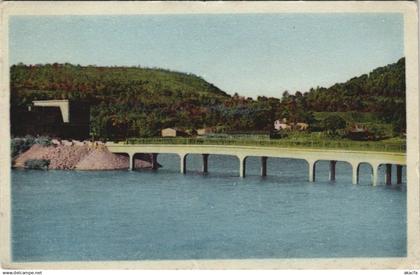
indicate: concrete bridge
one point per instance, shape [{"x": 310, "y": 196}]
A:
[{"x": 312, "y": 156}]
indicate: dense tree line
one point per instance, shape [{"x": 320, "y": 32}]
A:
[
  {"x": 382, "y": 91},
  {"x": 138, "y": 102}
]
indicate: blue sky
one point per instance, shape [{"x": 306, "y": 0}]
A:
[{"x": 251, "y": 54}]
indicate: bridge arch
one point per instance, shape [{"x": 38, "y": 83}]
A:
[
  {"x": 270, "y": 165},
  {"x": 365, "y": 167},
  {"x": 387, "y": 169},
  {"x": 327, "y": 169},
  {"x": 144, "y": 161},
  {"x": 169, "y": 162},
  {"x": 201, "y": 161}
]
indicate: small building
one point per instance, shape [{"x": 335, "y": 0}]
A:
[
  {"x": 281, "y": 125},
  {"x": 205, "y": 131},
  {"x": 173, "y": 132}
]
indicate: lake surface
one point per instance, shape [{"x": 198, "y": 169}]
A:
[{"x": 143, "y": 215}]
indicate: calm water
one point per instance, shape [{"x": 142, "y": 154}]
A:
[{"x": 120, "y": 215}]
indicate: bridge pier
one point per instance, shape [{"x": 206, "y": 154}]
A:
[
  {"x": 388, "y": 174},
  {"x": 205, "y": 163},
  {"x": 399, "y": 174},
  {"x": 183, "y": 163},
  {"x": 154, "y": 161},
  {"x": 375, "y": 168},
  {"x": 130, "y": 161},
  {"x": 332, "y": 169},
  {"x": 312, "y": 166},
  {"x": 263, "y": 166},
  {"x": 355, "y": 173},
  {"x": 242, "y": 166}
]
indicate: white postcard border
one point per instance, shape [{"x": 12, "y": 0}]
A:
[{"x": 409, "y": 9}]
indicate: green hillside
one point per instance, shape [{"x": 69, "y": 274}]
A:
[
  {"x": 138, "y": 102},
  {"x": 381, "y": 93},
  {"x": 376, "y": 97},
  {"x": 84, "y": 82},
  {"x": 127, "y": 101}
]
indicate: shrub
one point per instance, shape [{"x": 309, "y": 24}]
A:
[
  {"x": 378, "y": 131},
  {"x": 21, "y": 144},
  {"x": 359, "y": 135},
  {"x": 43, "y": 140},
  {"x": 39, "y": 164},
  {"x": 279, "y": 134},
  {"x": 331, "y": 124},
  {"x": 16, "y": 146},
  {"x": 372, "y": 132}
]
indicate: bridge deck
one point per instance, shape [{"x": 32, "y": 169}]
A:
[{"x": 355, "y": 158}]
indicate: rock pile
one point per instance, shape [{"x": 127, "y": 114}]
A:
[{"x": 83, "y": 156}]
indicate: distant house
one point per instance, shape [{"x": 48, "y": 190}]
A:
[
  {"x": 205, "y": 131},
  {"x": 173, "y": 132},
  {"x": 282, "y": 125}
]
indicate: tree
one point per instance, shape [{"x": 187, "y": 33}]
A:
[{"x": 332, "y": 123}]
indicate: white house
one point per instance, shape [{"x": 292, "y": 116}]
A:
[{"x": 281, "y": 125}]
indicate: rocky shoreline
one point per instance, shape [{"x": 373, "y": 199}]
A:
[{"x": 80, "y": 156}]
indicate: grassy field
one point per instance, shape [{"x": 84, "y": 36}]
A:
[{"x": 389, "y": 145}]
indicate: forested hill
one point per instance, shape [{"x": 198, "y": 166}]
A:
[
  {"x": 87, "y": 81},
  {"x": 134, "y": 101},
  {"x": 366, "y": 93},
  {"x": 125, "y": 100},
  {"x": 380, "y": 92}
]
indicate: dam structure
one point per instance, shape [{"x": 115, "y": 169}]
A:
[{"x": 355, "y": 158}]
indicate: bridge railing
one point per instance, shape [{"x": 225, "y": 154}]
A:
[{"x": 316, "y": 144}]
